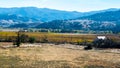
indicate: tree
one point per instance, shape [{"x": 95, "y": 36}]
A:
[
  {"x": 107, "y": 43},
  {"x": 18, "y": 39}
]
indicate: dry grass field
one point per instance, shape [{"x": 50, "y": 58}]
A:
[
  {"x": 43, "y": 55},
  {"x": 56, "y": 56},
  {"x": 56, "y": 37}
]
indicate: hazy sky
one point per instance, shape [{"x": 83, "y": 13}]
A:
[{"x": 69, "y": 5}]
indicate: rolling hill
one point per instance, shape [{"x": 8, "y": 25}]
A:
[
  {"x": 27, "y": 17},
  {"x": 105, "y": 21},
  {"x": 42, "y": 14}
]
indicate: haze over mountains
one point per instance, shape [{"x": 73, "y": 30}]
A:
[
  {"x": 108, "y": 19},
  {"x": 40, "y": 14},
  {"x": 45, "y": 14}
]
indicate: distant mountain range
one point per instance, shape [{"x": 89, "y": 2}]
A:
[
  {"x": 26, "y": 17},
  {"x": 104, "y": 21},
  {"x": 45, "y": 14},
  {"x": 41, "y": 14}
]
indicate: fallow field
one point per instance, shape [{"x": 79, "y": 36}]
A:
[
  {"x": 44, "y": 55},
  {"x": 52, "y": 55}
]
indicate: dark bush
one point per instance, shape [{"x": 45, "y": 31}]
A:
[
  {"x": 88, "y": 47},
  {"x": 24, "y": 38},
  {"x": 32, "y": 40},
  {"x": 106, "y": 43}
]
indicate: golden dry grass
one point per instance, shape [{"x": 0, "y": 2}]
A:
[
  {"x": 53, "y": 56},
  {"x": 56, "y": 37},
  {"x": 51, "y": 37}
]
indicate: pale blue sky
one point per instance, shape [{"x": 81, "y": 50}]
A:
[{"x": 69, "y": 5}]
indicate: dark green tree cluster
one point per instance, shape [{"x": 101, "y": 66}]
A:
[
  {"x": 102, "y": 43},
  {"x": 107, "y": 43}
]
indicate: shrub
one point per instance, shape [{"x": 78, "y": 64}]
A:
[
  {"x": 24, "y": 38},
  {"x": 88, "y": 47},
  {"x": 107, "y": 43},
  {"x": 32, "y": 40}
]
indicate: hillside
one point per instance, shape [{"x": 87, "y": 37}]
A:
[
  {"x": 11, "y": 16},
  {"x": 42, "y": 14},
  {"x": 105, "y": 21},
  {"x": 27, "y": 17}
]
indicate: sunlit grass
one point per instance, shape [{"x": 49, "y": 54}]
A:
[
  {"x": 51, "y": 37},
  {"x": 56, "y": 57}
]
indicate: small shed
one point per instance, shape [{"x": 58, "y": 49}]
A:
[{"x": 101, "y": 37}]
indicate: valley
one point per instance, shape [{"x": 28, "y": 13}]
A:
[{"x": 32, "y": 37}]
